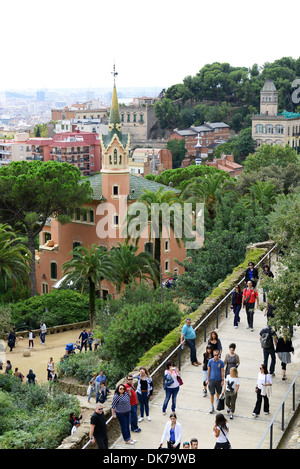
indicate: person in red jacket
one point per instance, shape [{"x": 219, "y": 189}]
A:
[
  {"x": 250, "y": 294},
  {"x": 133, "y": 402}
]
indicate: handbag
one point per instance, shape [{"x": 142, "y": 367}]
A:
[
  {"x": 180, "y": 382},
  {"x": 221, "y": 403},
  {"x": 266, "y": 390}
]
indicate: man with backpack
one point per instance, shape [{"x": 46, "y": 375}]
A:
[{"x": 266, "y": 337}]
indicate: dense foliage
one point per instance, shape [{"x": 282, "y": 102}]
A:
[
  {"x": 33, "y": 416},
  {"x": 221, "y": 92}
]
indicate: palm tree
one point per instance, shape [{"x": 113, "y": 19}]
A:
[
  {"x": 15, "y": 257},
  {"x": 92, "y": 264},
  {"x": 264, "y": 193},
  {"x": 209, "y": 190},
  {"x": 164, "y": 212},
  {"x": 130, "y": 266}
]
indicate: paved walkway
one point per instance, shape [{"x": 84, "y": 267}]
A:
[{"x": 193, "y": 409}]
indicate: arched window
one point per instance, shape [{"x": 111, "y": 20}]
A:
[
  {"x": 259, "y": 129},
  {"x": 115, "y": 157},
  {"x": 110, "y": 159},
  {"x": 278, "y": 129},
  {"x": 269, "y": 129}
]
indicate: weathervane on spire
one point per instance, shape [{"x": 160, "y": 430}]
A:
[{"x": 114, "y": 73}]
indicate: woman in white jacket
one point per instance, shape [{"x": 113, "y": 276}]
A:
[{"x": 172, "y": 432}]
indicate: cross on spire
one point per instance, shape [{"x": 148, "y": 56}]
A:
[{"x": 114, "y": 73}]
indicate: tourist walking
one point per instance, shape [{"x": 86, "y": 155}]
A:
[
  {"x": 251, "y": 274},
  {"x": 215, "y": 377},
  {"x": 43, "y": 332},
  {"x": 266, "y": 274},
  {"x": 121, "y": 409},
  {"x": 267, "y": 336},
  {"x": 50, "y": 367},
  {"x": 215, "y": 342},
  {"x": 221, "y": 430},
  {"x": 98, "y": 430},
  {"x": 263, "y": 390},
  {"x": 208, "y": 354},
  {"x": 91, "y": 387},
  {"x": 84, "y": 339},
  {"x": 231, "y": 387},
  {"x": 172, "y": 432},
  {"x": 171, "y": 389},
  {"x": 236, "y": 304},
  {"x": 133, "y": 403},
  {"x": 249, "y": 296},
  {"x": 284, "y": 348},
  {"x": 31, "y": 336},
  {"x": 90, "y": 340},
  {"x": 11, "y": 340},
  {"x": 144, "y": 392},
  {"x": 231, "y": 359},
  {"x": 188, "y": 336},
  {"x": 18, "y": 374}
]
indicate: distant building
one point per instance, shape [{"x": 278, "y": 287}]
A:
[
  {"x": 275, "y": 128},
  {"x": 144, "y": 161},
  {"x": 226, "y": 163},
  {"x": 201, "y": 140},
  {"x": 14, "y": 149},
  {"x": 138, "y": 120},
  {"x": 81, "y": 149}
]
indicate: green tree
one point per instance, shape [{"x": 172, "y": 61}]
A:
[
  {"x": 91, "y": 265},
  {"x": 130, "y": 266},
  {"x": 14, "y": 257},
  {"x": 177, "y": 148},
  {"x": 267, "y": 155},
  {"x": 32, "y": 191},
  {"x": 163, "y": 212},
  {"x": 208, "y": 190},
  {"x": 262, "y": 193}
]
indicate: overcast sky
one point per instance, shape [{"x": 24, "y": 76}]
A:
[{"x": 72, "y": 44}]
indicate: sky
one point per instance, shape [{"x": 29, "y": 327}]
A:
[{"x": 72, "y": 44}]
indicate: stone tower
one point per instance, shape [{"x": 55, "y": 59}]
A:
[{"x": 269, "y": 99}]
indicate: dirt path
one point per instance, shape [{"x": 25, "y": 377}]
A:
[{"x": 39, "y": 356}]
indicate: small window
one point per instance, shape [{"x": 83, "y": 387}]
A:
[
  {"x": 167, "y": 246},
  {"x": 116, "y": 190},
  {"x": 115, "y": 157},
  {"x": 53, "y": 270},
  {"x": 166, "y": 266},
  {"x": 45, "y": 288},
  {"x": 77, "y": 214},
  {"x": 116, "y": 220},
  {"x": 92, "y": 218}
]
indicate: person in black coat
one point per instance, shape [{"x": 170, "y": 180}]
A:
[
  {"x": 11, "y": 340},
  {"x": 284, "y": 347},
  {"x": 251, "y": 274},
  {"x": 236, "y": 304},
  {"x": 266, "y": 273}
]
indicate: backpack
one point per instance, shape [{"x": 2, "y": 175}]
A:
[{"x": 266, "y": 340}]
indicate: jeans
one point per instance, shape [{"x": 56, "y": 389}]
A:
[
  {"x": 192, "y": 345},
  {"x": 170, "y": 392},
  {"x": 144, "y": 403},
  {"x": 236, "y": 311},
  {"x": 270, "y": 352},
  {"x": 124, "y": 424},
  {"x": 134, "y": 418},
  {"x": 42, "y": 337},
  {"x": 250, "y": 314}
]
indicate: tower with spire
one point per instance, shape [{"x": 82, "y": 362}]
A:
[{"x": 115, "y": 151}]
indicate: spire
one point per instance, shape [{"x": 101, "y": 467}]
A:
[{"x": 114, "y": 117}]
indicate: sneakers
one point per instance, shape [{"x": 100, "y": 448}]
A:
[
  {"x": 204, "y": 392},
  {"x": 137, "y": 430},
  {"x": 148, "y": 418},
  {"x": 212, "y": 409},
  {"x": 141, "y": 419},
  {"x": 254, "y": 414}
]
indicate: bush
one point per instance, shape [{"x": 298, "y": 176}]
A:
[
  {"x": 31, "y": 417},
  {"x": 142, "y": 326},
  {"x": 62, "y": 307}
]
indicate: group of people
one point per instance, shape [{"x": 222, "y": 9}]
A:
[
  {"x": 30, "y": 377},
  {"x": 87, "y": 340}
]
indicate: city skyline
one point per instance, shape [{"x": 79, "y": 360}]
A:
[{"x": 153, "y": 45}]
